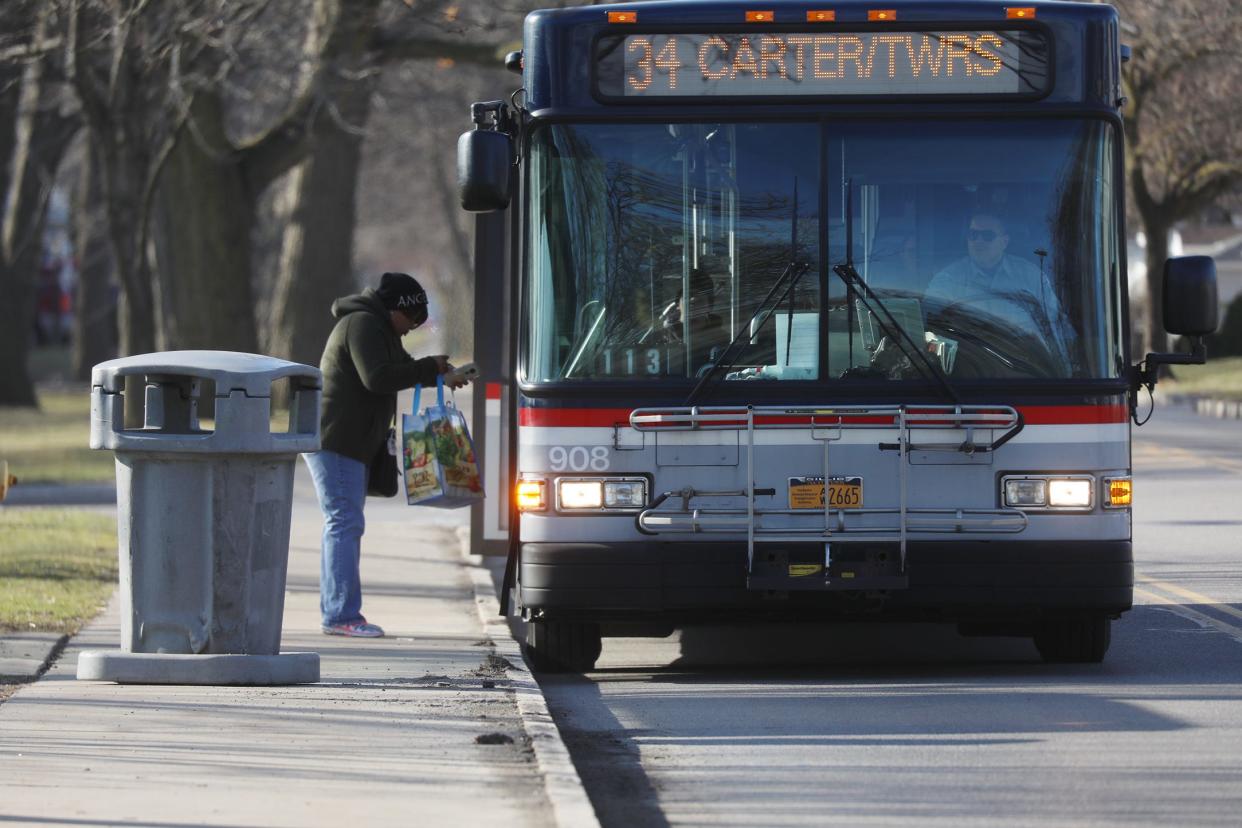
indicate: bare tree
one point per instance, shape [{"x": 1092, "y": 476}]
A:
[
  {"x": 124, "y": 61},
  {"x": 409, "y": 215},
  {"x": 1183, "y": 121},
  {"x": 95, "y": 335},
  {"x": 154, "y": 79},
  {"x": 35, "y": 130},
  {"x": 320, "y": 197}
]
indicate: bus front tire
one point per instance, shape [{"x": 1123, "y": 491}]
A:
[
  {"x": 562, "y": 646},
  {"x": 1074, "y": 639}
]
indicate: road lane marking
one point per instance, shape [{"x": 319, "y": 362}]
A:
[
  {"x": 1189, "y": 595},
  {"x": 1186, "y": 612},
  {"x": 1200, "y": 618}
]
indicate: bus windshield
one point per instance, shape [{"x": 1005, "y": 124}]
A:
[{"x": 991, "y": 244}]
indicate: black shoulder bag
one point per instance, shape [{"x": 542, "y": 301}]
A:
[{"x": 382, "y": 475}]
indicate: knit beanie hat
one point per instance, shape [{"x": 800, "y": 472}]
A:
[{"x": 399, "y": 291}]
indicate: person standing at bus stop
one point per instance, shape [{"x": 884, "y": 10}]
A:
[{"x": 364, "y": 366}]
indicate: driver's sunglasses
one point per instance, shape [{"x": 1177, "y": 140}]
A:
[{"x": 981, "y": 235}]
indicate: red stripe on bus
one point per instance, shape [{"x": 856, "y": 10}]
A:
[
  {"x": 1075, "y": 414},
  {"x": 493, "y": 391},
  {"x": 1031, "y": 414}
]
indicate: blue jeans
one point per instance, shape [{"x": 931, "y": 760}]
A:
[{"x": 341, "y": 484}]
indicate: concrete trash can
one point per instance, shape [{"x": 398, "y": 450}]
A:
[{"x": 203, "y": 517}]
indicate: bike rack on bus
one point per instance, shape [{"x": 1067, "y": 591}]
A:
[{"x": 839, "y": 525}]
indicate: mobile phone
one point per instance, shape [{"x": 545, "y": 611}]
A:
[{"x": 463, "y": 373}]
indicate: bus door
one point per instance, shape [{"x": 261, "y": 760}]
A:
[{"x": 492, "y": 426}]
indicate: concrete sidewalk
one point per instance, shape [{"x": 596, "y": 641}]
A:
[{"x": 420, "y": 727}]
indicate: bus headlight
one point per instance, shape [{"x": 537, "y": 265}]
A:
[
  {"x": 1069, "y": 493},
  {"x": 1026, "y": 492},
  {"x": 1049, "y": 492},
  {"x": 600, "y": 494},
  {"x": 625, "y": 494},
  {"x": 579, "y": 494}
]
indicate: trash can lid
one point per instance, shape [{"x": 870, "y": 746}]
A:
[{"x": 229, "y": 370}]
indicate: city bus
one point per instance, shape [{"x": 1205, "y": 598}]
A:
[{"x": 810, "y": 312}]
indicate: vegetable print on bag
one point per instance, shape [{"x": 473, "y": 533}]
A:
[{"x": 441, "y": 469}]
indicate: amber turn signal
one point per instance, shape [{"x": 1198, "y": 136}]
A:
[
  {"x": 532, "y": 495},
  {"x": 1120, "y": 492}
]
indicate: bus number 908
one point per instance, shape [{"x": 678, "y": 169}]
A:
[{"x": 578, "y": 458}]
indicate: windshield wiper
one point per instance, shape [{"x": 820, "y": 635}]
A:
[
  {"x": 791, "y": 274},
  {"x": 924, "y": 364},
  {"x": 896, "y": 334}
]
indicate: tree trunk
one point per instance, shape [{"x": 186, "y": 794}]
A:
[
  {"x": 1157, "y": 229},
  {"x": 16, "y": 322},
  {"x": 34, "y": 140},
  {"x": 94, "y": 337},
  {"x": 17, "y": 309},
  {"x": 123, "y": 174},
  {"x": 316, "y": 257},
  {"x": 205, "y": 210}
]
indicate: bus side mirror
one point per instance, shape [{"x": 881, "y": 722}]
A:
[
  {"x": 1190, "y": 296},
  {"x": 484, "y": 162}
]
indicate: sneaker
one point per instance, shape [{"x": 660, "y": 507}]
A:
[{"x": 354, "y": 629}]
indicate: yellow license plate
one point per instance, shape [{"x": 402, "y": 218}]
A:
[{"x": 808, "y": 492}]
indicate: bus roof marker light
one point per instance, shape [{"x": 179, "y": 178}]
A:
[
  {"x": 881, "y": 15},
  {"x": 1020, "y": 12},
  {"x": 760, "y": 16},
  {"x": 821, "y": 16},
  {"x": 622, "y": 17}
]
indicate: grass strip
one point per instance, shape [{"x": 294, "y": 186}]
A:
[
  {"x": 50, "y": 444},
  {"x": 58, "y": 568},
  {"x": 1220, "y": 378}
]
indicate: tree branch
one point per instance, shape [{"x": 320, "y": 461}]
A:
[
  {"x": 286, "y": 142},
  {"x": 403, "y": 42},
  {"x": 78, "y": 70}
]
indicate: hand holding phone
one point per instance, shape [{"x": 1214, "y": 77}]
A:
[{"x": 461, "y": 375}]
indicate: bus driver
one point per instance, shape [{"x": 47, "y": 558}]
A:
[{"x": 1004, "y": 289}]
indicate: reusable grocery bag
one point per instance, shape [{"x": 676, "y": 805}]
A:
[{"x": 438, "y": 455}]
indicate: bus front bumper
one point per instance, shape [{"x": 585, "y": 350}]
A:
[{"x": 948, "y": 581}]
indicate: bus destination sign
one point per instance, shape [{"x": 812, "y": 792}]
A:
[{"x": 817, "y": 64}]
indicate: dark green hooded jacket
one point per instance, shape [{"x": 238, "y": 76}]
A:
[{"x": 364, "y": 366}]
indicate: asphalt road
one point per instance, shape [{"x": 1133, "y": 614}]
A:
[{"x": 910, "y": 725}]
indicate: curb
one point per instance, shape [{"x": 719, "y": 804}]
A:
[
  {"x": 1207, "y": 406},
  {"x": 56, "y": 494},
  {"x": 24, "y": 657},
  {"x": 570, "y": 805}
]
